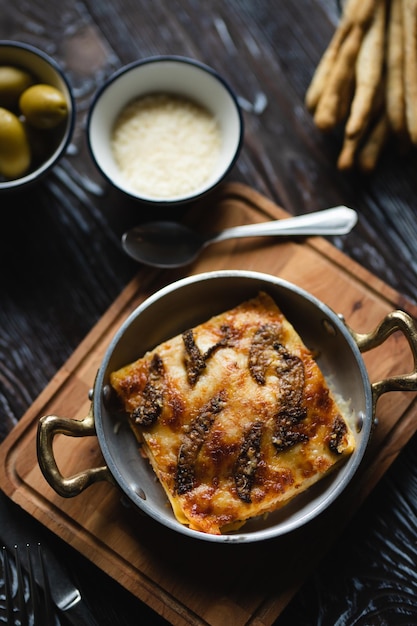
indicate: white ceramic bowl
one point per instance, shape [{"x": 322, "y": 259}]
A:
[
  {"x": 44, "y": 70},
  {"x": 170, "y": 75}
]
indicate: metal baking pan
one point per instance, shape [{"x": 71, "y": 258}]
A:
[{"x": 191, "y": 301}]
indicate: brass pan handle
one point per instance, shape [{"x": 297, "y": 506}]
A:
[
  {"x": 396, "y": 320},
  {"x": 51, "y": 425}
]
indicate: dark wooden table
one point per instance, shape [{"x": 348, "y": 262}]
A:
[{"x": 62, "y": 263}]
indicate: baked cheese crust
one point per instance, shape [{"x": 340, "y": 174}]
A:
[{"x": 234, "y": 415}]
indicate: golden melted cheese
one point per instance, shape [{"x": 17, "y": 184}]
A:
[{"x": 234, "y": 415}]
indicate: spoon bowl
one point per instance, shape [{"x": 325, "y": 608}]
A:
[{"x": 171, "y": 244}]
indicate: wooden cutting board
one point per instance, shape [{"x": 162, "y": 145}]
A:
[{"x": 185, "y": 580}]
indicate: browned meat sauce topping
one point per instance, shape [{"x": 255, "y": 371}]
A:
[
  {"x": 264, "y": 341},
  {"x": 194, "y": 438},
  {"x": 292, "y": 382},
  {"x": 286, "y": 434},
  {"x": 337, "y": 435},
  {"x": 292, "y": 410},
  {"x": 151, "y": 403},
  {"x": 265, "y": 350},
  {"x": 195, "y": 360},
  {"x": 247, "y": 462}
]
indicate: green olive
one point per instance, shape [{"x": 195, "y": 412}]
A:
[
  {"x": 13, "y": 81},
  {"x": 15, "y": 153},
  {"x": 43, "y": 106}
]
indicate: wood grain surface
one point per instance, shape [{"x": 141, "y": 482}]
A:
[{"x": 63, "y": 266}]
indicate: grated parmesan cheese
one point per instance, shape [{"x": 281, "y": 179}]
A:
[{"x": 165, "y": 145}]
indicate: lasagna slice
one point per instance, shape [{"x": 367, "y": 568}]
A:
[{"x": 234, "y": 415}]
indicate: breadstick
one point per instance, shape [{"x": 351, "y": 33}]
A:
[
  {"x": 371, "y": 150},
  {"x": 410, "y": 65},
  {"x": 395, "y": 99},
  {"x": 352, "y": 145},
  {"x": 327, "y": 113},
  {"x": 360, "y": 11},
  {"x": 346, "y": 159},
  {"x": 325, "y": 66},
  {"x": 350, "y": 148},
  {"x": 355, "y": 12},
  {"x": 369, "y": 66}
]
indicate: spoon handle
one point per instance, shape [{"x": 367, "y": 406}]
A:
[{"x": 336, "y": 221}]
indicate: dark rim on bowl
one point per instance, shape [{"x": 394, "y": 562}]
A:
[
  {"x": 162, "y": 59},
  {"x": 35, "y": 174}
]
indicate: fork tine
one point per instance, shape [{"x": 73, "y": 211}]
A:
[
  {"x": 36, "y": 607},
  {"x": 8, "y": 586},
  {"x": 48, "y": 603},
  {"x": 24, "y": 620}
]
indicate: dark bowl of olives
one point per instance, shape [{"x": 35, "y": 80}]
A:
[{"x": 37, "y": 114}]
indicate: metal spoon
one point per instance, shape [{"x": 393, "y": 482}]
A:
[{"x": 171, "y": 244}]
